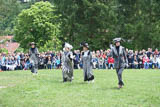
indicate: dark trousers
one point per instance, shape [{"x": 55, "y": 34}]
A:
[
  {"x": 34, "y": 68},
  {"x": 119, "y": 74}
]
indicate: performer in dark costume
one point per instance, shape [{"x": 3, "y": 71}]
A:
[
  {"x": 120, "y": 59},
  {"x": 33, "y": 57},
  {"x": 87, "y": 63}
]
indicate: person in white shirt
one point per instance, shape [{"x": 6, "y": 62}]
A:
[{"x": 158, "y": 61}]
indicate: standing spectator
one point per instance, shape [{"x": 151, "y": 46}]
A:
[
  {"x": 76, "y": 59},
  {"x": 18, "y": 62},
  {"x": 49, "y": 63},
  {"x": 41, "y": 61},
  {"x": 140, "y": 62},
  {"x": 130, "y": 61},
  {"x": 100, "y": 62},
  {"x": 149, "y": 52},
  {"x": 3, "y": 66}
]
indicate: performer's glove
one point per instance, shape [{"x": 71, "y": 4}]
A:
[
  {"x": 111, "y": 46},
  {"x": 126, "y": 65}
]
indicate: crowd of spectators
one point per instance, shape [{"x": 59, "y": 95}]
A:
[{"x": 144, "y": 59}]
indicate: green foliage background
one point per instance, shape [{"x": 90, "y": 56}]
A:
[{"x": 94, "y": 21}]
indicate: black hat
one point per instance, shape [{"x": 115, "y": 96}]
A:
[
  {"x": 117, "y": 40},
  {"x": 84, "y": 44}
]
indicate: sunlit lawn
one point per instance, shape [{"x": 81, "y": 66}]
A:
[{"x": 21, "y": 89}]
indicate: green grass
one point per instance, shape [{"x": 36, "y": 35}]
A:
[{"x": 21, "y": 89}]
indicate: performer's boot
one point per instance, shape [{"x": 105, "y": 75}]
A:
[
  {"x": 91, "y": 79},
  {"x": 120, "y": 86},
  {"x": 64, "y": 79},
  {"x": 85, "y": 78}
]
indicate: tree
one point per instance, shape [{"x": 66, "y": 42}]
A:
[
  {"x": 9, "y": 9},
  {"x": 99, "y": 21},
  {"x": 38, "y": 24},
  {"x": 92, "y": 21}
]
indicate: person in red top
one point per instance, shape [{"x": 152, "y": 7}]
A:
[
  {"x": 110, "y": 62},
  {"x": 156, "y": 52},
  {"x": 146, "y": 61}
]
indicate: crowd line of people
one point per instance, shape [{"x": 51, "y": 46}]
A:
[{"x": 52, "y": 60}]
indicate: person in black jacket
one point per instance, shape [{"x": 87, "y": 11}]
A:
[{"x": 33, "y": 57}]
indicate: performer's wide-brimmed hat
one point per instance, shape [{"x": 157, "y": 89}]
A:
[
  {"x": 84, "y": 44},
  {"x": 32, "y": 43},
  {"x": 67, "y": 45},
  {"x": 115, "y": 40}
]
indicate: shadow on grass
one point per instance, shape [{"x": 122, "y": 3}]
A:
[
  {"x": 108, "y": 88},
  {"x": 115, "y": 88}
]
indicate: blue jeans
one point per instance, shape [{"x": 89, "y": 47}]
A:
[
  {"x": 27, "y": 65},
  {"x": 151, "y": 65},
  {"x": 49, "y": 66},
  {"x": 158, "y": 65},
  {"x": 110, "y": 65},
  {"x": 146, "y": 65},
  {"x": 100, "y": 66},
  {"x": 155, "y": 65}
]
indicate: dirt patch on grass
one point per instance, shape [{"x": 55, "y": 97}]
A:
[
  {"x": 3, "y": 87},
  {"x": 10, "y": 85}
]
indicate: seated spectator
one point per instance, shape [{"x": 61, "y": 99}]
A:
[
  {"x": 110, "y": 63},
  {"x": 156, "y": 52},
  {"x": 151, "y": 61},
  {"x": 158, "y": 61},
  {"x": 94, "y": 61},
  {"x": 135, "y": 62},
  {"x": 155, "y": 64},
  {"x": 100, "y": 62},
  {"x": 27, "y": 63},
  {"x": 146, "y": 62},
  {"x": 10, "y": 63}
]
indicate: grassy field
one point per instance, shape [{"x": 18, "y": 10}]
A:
[{"x": 21, "y": 89}]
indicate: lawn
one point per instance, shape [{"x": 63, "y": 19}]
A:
[{"x": 21, "y": 89}]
